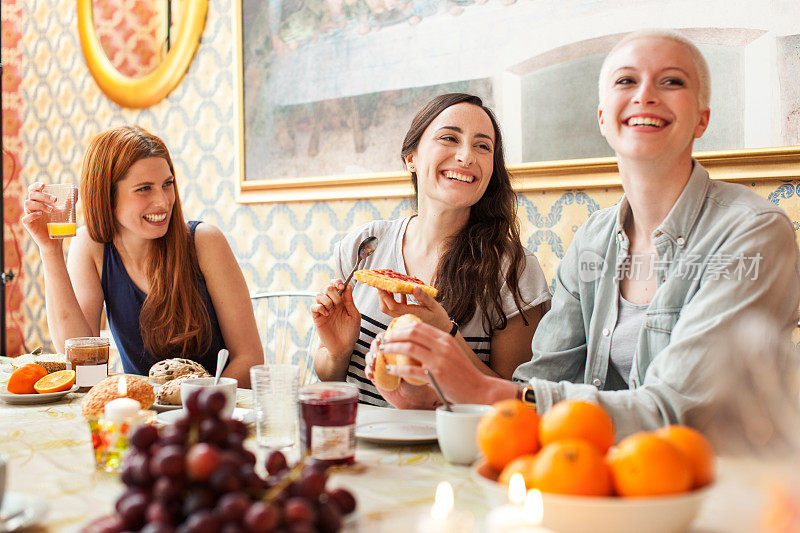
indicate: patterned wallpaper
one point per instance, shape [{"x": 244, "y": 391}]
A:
[
  {"x": 279, "y": 246},
  {"x": 129, "y": 31}
]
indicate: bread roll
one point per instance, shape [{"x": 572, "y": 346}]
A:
[
  {"x": 169, "y": 369},
  {"x": 386, "y": 381},
  {"x": 98, "y": 396},
  {"x": 170, "y": 392}
]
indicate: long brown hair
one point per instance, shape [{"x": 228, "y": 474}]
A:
[
  {"x": 490, "y": 237},
  {"x": 173, "y": 320}
]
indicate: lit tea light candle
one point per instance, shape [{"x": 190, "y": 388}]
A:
[
  {"x": 124, "y": 408},
  {"x": 443, "y": 518},
  {"x": 522, "y": 515}
]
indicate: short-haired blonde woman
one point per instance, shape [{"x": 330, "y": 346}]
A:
[
  {"x": 648, "y": 286},
  {"x": 171, "y": 289}
]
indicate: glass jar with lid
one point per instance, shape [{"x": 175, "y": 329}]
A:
[{"x": 88, "y": 357}]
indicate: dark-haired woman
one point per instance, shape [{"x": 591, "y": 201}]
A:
[
  {"x": 171, "y": 289},
  {"x": 464, "y": 240}
]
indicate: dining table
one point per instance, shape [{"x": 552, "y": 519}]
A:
[{"x": 51, "y": 464}]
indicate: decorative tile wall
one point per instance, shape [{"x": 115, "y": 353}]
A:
[{"x": 279, "y": 246}]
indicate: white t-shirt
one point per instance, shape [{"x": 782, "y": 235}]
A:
[{"x": 389, "y": 255}]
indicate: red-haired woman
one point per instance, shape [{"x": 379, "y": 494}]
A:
[{"x": 171, "y": 289}]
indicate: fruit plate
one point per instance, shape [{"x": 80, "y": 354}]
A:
[
  {"x": 578, "y": 514},
  {"x": 31, "y": 399}
]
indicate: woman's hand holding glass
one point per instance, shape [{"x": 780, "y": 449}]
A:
[
  {"x": 337, "y": 319},
  {"x": 37, "y": 205},
  {"x": 428, "y": 309}
]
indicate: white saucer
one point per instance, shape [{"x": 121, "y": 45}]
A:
[
  {"x": 30, "y": 510},
  {"x": 395, "y": 426},
  {"x": 161, "y": 407},
  {"x": 169, "y": 417},
  {"x": 31, "y": 399}
]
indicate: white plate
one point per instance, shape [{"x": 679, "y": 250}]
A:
[
  {"x": 169, "y": 417},
  {"x": 395, "y": 426},
  {"x": 30, "y": 399},
  {"x": 161, "y": 407},
  {"x": 23, "y": 511}
]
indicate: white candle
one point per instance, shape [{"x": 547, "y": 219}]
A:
[
  {"x": 515, "y": 517},
  {"x": 122, "y": 409},
  {"x": 443, "y": 518}
]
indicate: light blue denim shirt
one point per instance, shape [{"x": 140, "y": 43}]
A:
[{"x": 721, "y": 251}]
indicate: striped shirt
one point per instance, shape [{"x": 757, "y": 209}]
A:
[{"x": 389, "y": 254}]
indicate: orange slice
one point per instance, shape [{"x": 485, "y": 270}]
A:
[{"x": 56, "y": 382}]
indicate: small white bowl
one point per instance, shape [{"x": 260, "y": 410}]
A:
[{"x": 578, "y": 514}]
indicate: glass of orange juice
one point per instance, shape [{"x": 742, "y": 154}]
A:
[{"x": 61, "y": 220}]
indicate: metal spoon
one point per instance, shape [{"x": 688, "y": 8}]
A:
[
  {"x": 222, "y": 358},
  {"x": 445, "y": 403},
  {"x": 365, "y": 250}
]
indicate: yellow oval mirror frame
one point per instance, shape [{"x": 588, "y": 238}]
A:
[{"x": 150, "y": 88}]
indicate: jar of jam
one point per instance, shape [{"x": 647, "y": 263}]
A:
[
  {"x": 88, "y": 357},
  {"x": 328, "y": 421}
]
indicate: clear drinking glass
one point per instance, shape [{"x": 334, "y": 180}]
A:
[
  {"x": 275, "y": 402},
  {"x": 61, "y": 220}
]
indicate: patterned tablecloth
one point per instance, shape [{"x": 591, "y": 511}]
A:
[{"x": 50, "y": 459}]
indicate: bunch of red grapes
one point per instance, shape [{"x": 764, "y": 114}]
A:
[{"x": 196, "y": 477}]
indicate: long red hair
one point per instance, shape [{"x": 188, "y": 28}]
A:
[{"x": 173, "y": 320}]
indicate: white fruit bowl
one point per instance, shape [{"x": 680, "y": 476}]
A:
[{"x": 579, "y": 514}]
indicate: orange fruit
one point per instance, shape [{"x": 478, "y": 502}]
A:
[
  {"x": 571, "y": 466},
  {"x": 575, "y": 419},
  {"x": 696, "y": 448},
  {"x": 509, "y": 430},
  {"x": 23, "y": 379},
  {"x": 56, "y": 382},
  {"x": 522, "y": 465},
  {"x": 645, "y": 464}
]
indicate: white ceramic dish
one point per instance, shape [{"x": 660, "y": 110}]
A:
[
  {"x": 32, "y": 399},
  {"x": 169, "y": 417},
  {"x": 22, "y": 511},
  {"x": 395, "y": 426},
  {"x": 161, "y": 407},
  {"x": 578, "y": 514}
]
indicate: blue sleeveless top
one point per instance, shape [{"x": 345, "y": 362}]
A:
[{"x": 124, "y": 304}]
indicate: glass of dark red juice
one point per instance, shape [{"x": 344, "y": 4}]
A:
[{"x": 328, "y": 421}]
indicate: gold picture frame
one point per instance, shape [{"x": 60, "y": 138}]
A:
[
  {"x": 153, "y": 87},
  {"x": 747, "y": 164}
]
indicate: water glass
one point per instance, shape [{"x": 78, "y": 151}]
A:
[
  {"x": 275, "y": 402},
  {"x": 61, "y": 220}
]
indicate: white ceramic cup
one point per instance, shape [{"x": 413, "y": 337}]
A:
[
  {"x": 226, "y": 385},
  {"x": 456, "y": 431}
]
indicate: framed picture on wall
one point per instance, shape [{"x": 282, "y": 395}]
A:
[{"x": 328, "y": 87}]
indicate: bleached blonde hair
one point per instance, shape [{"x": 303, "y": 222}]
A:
[{"x": 700, "y": 65}]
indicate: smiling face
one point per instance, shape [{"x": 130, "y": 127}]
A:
[
  {"x": 650, "y": 107},
  {"x": 144, "y": 199},
  {"x": 454, "y": 159}
]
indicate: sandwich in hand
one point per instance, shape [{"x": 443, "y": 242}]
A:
[{"x": 382, "y": 379}]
